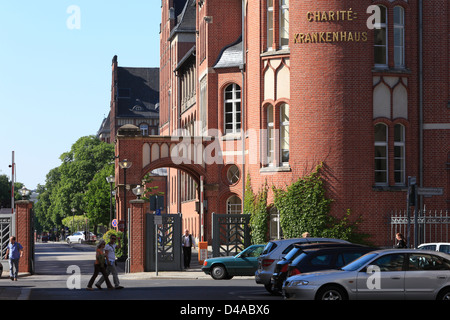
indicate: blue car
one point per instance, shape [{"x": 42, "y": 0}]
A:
[{"x": 244, "y": 263}]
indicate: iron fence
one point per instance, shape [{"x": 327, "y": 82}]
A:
[{"x": 430, "y": 225}]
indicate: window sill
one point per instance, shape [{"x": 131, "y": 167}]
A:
[
  {"x": 279, "y": 52},
  {"x": 386, "y": 69},
  {"x": 275, "y": 169},
  {"x": 231, "y": 136},
  {"x": 389, "y": 188}
]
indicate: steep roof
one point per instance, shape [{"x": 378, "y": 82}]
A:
[
  {"x": 138, "y": 92},
  {"x": 230, "y": 56}
]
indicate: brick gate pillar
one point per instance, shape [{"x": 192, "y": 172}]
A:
[
  {"x": 23, "y": 233},
  {"x": 137, "y": 236}
]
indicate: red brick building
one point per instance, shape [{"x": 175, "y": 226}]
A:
[{"x": 360, "y": 86}]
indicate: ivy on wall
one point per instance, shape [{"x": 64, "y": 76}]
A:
[{"x": 303, "y": 207}]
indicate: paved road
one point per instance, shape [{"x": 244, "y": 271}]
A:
[{"x": 53, "y": 277}]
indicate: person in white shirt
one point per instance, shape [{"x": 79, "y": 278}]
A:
[
  {"x": 110, "y": 253},
  {"x": 187, "y": 243}
]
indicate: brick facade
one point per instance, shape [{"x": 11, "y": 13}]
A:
[{"x": 336, "y": 96}]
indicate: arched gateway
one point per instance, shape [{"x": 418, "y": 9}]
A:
[{"x": 147, "y": 153}]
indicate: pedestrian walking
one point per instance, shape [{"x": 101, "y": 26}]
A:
[
  {"x": 111, "y": 263},
  {"x": 187, "y": 243},
  {"x": 99, "y": 266},
  {"x": 401, "y": 243},
  {"x": 14, "y": 251}
]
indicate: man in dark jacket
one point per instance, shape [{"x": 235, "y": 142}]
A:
[{"x": 187, "y": 242}]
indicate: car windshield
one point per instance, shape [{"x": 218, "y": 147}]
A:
[{"x": 358, "y": 263}]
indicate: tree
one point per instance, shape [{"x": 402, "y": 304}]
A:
[
  {"x": 97, "y": 197},
  {"x": 67, "y": 185}
]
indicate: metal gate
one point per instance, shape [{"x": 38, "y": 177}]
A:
[
  {"x": 6, "y": 230},
  {"x": 430, "y": 225},
  {"x": 231, "y": 234},
  {"x": 167, "y": 245}
]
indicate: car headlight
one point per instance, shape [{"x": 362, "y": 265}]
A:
[{"x": 298, "y": 283}]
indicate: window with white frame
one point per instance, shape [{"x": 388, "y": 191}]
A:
[
  {"x": 284, "y": 23},
  {"x": 269, "y": 24},
  {"x": 399, "y": 154},
  {"x": 232, "y": 108},
  {"x": 144, "y": 129},
  {"x": 284, "y": 133},
  {"x": 381, "y": 154},
  {"x": 380, "y": 39},
  {"x": 277, "y": 30},
  {"x": 270, "y": 136},
  {"x": 399, "y": 36},
  {"x": 234, "y": 205}
]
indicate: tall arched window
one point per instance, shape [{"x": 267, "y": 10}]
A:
[
  {"x": 381, "y": 154},
  {"x": 234, "y": 205},
  {"x": 232, "y": 103}
]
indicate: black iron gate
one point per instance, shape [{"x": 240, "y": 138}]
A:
[
  {"x": 231, "y": 234},
  {"x": 167, "y": 243},
  {"x": 6, "y": 229}
]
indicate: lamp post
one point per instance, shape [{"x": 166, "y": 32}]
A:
[
  {"x": 125, "y": 164},
  {"x": 138, "y": 191},
  {"x": 110, "y": 179},
  {"x": 24, "y": 192}
]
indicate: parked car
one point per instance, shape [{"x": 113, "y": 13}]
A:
[
  {"x": 274, "y": 251},
  {"x": 436, "y": 246},
  {"x": 314, "y": 257},
  {"x": 382, "y": 274},
  {"x": 80, "y": 237},
  {"x": 242, "y": 264}
]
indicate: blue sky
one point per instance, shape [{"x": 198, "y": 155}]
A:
[{"x": 55, "y": 73}]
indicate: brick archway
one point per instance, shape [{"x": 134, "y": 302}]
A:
[{"x": 147, "y": 153}]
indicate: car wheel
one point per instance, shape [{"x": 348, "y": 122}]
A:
[
  {"x": 219, "y": 272},
  {"x": 68, "y": 241},
  {"x": 444, "y": 294},
  {"x": 79, "y": 240},
  {"x": 331, "y": 293}
]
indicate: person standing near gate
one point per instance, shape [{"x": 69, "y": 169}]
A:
[
  {"x": 110, "y": 253},
  {"x": 187, "y": 242},
  {"x": 14, "y": 252}
]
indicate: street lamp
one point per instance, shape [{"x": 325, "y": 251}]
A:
[
  {"x": 138, "y": 191},
  {"x": 125, "y": 164},
  {"x": 24, "y": 192},
  {"x": 110, "y": 179}
]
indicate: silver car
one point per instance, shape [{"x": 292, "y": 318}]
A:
[
  {"x": 382, "y": 274},
  {"x": 274, "y": 251}
]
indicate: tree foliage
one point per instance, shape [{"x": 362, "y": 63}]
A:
[{"x": 77, "y": 184}]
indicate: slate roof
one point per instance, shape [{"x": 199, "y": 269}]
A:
[
  {"x": 141, "y": 87},
  {"x": 230, "y": 56},
  {"x": 186, "y": 20}
]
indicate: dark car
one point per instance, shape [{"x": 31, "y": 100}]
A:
[{"x": 305, "y": 258}]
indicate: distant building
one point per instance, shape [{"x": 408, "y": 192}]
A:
[{"x": 134, "y": 100}]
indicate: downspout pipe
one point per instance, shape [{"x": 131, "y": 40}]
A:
[{"x": 243, "y": 109}]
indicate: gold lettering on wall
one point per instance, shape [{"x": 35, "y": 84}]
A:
[{"x": 330, "y": 36}]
